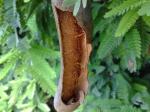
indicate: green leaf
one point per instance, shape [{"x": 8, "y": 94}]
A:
[
  {"x": 127, "y": 21},
  {"x": 5, "y": 70},
  {"x": 99, "y": 69},
  {"x": 43, "y": 18},
  {"x": 33, "y": 5},
  {"x": 146, "y": 19},
  {"x": 43, "y": 107},
  {"x": 12, "y": 41},
  {"x": 139, "y": 87},
  {"x": 122, "y": 86},
  {"x": 145, "y": 9},
  {"x": 129, "y": 50},
  {"x": 76, "y": 7},
  {"x": 109, "y": 42},
  {"x": 68, "y": 3},
  {"x": 31, "y": 23},
  {"x": 108, "y": 103},
  {"x": 41, "y": 63},
  {"x": 26, "y": 1},
  {"x": 3, "y": 92},
  {"x": 8, "y": 56},
  {"x": 124, "y": 7},
  {"x": 45, "y": 52},
  {"x": 30, "y": 91},
  {"x": 95, "y": 9},
  {"x": 16, "y": 86},
  {"x": 28, "y": 109},
  {"x": 42, "y": 72},
  {"x": 3, "y": 105},
  {"x": 145, "y": 37},
  {"x": 129, "y": 108}
]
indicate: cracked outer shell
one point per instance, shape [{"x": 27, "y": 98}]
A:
[{"x": 80, "y": 49}]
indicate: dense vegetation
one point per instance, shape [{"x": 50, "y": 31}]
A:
[{"x": 119, "y": 66}]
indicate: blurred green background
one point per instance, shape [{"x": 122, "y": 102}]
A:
[{"x": 119, "y": 67}]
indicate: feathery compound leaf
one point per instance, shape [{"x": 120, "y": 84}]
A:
[
  {"x": 115, "y": 3},
  {"x": 43, "y": 107},
  {"x": 145, "y": 36},
  {"x": 1, "y": 10},
  {"x": 129, "y": 108},
  {"x": 129, "y": 50},
  {"x": 146, "y": 19},
  {"x": 33, "y": 5},
  {"x": 30, "y": 91},
  {"x": 122, "y": 86},
  {"x": 45, "y": 52},
  {"x": 127, "y": 21},
  {"x": 43, "y": 18},
  {"x": 145, "y": 44},
  {"x": 10, "y": 55},
  {"x": 109, "y": 42},
  {"x": 124, "y": 7},
  {"x": 5, "y": 70},
  {"x": 16, "y": 86},
  {"x": 134, "y": 42},
  {"x": 145, "y": 9},
  {"x": 42, "y": 72},
  {"x": 108, "y": 103}
]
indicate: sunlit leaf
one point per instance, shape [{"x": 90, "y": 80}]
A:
[
  {"x": 43, "y": 107},
  {"x": 76, "y": 7}
]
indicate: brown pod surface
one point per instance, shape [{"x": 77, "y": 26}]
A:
[{"x": 74, "y": 38}]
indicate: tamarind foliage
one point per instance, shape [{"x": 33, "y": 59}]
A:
[{"x": 119, "y": 74}]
